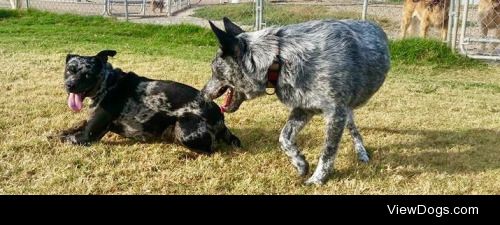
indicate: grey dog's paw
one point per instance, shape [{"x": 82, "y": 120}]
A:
[
  {"x": 315, "y": 181},
  {"x": 301, "y": 165}
]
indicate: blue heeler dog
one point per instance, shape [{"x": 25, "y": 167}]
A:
[
  {"x": 318, "y": 67},
  {"x": 139, "y": 108}
]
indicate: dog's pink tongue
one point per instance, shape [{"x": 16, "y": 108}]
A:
[
  {"x": 227, "y": 101},
  {"x": 75, "y": 102}
]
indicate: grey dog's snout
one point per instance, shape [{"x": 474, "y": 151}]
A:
[{"x": 206, "y": 95}]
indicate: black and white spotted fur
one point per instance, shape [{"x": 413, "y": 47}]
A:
[
  {"x": 141, "y": 108},
  {"x": 328, "y": 67}
]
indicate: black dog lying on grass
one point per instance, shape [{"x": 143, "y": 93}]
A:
[{"x": 139, "y": 108}]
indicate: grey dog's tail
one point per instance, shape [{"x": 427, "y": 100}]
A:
[{"x": 229, "y": 138}]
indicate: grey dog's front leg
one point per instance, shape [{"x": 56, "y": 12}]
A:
[
  {"x": 335, "y": 124},
  {"x": 296, "y": 121}
]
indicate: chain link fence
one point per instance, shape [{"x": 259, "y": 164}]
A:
[
  {"x": 480, "y": 29},
  {"x": 118, "y": 8},
  {"x": 258, "y": 14},
  {"x": 471, "y": 26}
]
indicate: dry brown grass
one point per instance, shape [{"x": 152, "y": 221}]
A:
[{"x": 428, "y": 131}]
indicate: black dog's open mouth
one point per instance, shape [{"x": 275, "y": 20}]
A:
[{"x": 75, "y": 101}]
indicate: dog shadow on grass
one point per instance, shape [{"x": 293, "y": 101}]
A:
[
  {"x": 253, "y": 141},
  {"x": 443, "y": 151},
  {"x": 420, "y": 150}
]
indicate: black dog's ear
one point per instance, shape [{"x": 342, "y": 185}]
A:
[
  {"x": 69, "y": 56},
  {"x": 103, "y": 55},
  {"x": 232, "y": 28},
  {"x": 228, "y": 43}
]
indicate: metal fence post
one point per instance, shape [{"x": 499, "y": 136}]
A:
[
  {"x": 143, "y": 7},
  {"x": 365, "y": 8},
  {"x": 259, "y": 8},
  {"x": 169, "y": 10},
  {"x": 451, "y": 17},
  {"x": 464, "y": 24},
  {"x": 27, "y": 4},
  {"x": 126, "y": 10},
  {"x": 455, "y": 25},
  {"x": 105, "y": 10},
  {"x": 256, "y": 14},
  {"x": 16, "y": 4}
]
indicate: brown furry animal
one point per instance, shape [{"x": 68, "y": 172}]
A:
[
  {"x": 157, "y": 4},
  {"x": 430, "y": 13},
  {"x": 489, "y": 19}
]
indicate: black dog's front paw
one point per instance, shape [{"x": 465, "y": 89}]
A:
[
  {"x": 62, "y": 137},
  {"x": 75, "y": 139},
  {"x": 78, "y": 127},
  {"x": 70, "y": 138},
  {"x": 52, "y": 137}
]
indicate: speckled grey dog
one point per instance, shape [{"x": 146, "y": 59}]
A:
[{"x": 323, "y": 67}]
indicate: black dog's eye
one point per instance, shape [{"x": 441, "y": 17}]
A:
[{"x": 72, "y": 69}]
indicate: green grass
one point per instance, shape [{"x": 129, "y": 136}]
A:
[
  {"x": 431, "y": 129},
  {"x": 46, "y": 32},
  {"x": 276, "y": 14},
  {"x": 417, "y": 51}
]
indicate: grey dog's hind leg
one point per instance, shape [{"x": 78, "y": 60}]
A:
[
  {"x": 357, "y": 140},
  {"x": 296, "y": 121}
]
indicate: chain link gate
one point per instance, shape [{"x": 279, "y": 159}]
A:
[
  {"x": 119, "y": 8},
  {"x": 480, "y": 29}
]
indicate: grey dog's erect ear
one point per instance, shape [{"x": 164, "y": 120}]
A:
[
  {"x": 103, "y": 55},
  {"x": 228, "y": 42},
  {"x": 232, "y": 28}
]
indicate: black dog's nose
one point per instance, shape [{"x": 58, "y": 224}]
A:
[{"x": 70, "y": 84}]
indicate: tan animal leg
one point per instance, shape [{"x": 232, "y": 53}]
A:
[
  {"x": 405, "y": 23},
  {"x": 424, "y": 27},
  {"x": 484, "y": 33},
  {"x": 444, "y": 33},
  {"x": 495, "y": 45}
]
